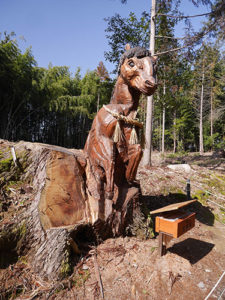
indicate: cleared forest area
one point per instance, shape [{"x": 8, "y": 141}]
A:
[{"x": 126, "y": 267}]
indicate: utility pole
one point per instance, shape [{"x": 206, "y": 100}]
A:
[
  {"x": 201, "y": 144},
  {"x": 163, "y": 117},
  {"x": 149, "y": 116}
]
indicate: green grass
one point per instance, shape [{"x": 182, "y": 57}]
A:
[{"x": 5, "y": 164}]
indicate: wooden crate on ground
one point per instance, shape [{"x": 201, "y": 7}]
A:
[
  {"x": 172, "y": 222},
  {"x": 175, "y": 223}
]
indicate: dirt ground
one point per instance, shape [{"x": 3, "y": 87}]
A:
[{"x": 130, "y": 267}]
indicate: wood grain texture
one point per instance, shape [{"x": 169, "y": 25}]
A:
[
  {"x": 172, "y": 207},
  {"x": 63, "y": 198}
]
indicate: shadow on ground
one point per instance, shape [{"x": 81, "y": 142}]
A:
[
  {"x": 191, "y": 249},
  {"x": 203, "y": 213},
  {"x": 8, "y": 258}
]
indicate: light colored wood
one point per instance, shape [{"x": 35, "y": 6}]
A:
[
  {"x": 172, "y": 207},
  {"x": 63, "y": 198},
  {"x": 149, "y": 114},
  {"x": 14, "y": 155},
  {"x": 201, "y": 142}
]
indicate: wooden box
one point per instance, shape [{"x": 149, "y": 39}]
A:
[{"x": 175, "y": 223}]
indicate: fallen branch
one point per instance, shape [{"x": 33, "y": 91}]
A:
[
  {"x": 97, "y": 274},
  {"x": 215, "y": 286},
  {"x": 173, "y": 278},
  {"x": 14, "y": 155}
]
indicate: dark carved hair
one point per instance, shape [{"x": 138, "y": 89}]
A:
[{"x": 138, "y": 52}]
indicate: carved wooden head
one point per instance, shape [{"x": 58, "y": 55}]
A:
[{"x": 138, "y": 69}]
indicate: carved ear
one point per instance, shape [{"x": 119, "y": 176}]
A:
[
  {"x": 127, "y": 47},
  {"x": 154, "y": 58}
]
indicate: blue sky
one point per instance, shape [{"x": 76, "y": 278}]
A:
[{"x": 70, "y": 32}]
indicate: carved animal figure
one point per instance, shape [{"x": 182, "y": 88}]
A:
[{"x": 113, "y": 161}]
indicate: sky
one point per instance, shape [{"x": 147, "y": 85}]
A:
[{"x": 71, "y": 32}]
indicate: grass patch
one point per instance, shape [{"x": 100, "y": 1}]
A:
[
  {"x": 153, "y": 249},
  {"x": 216, "y": 184},
  {"x": 221, "y": 217},
  {"x": 5, "y": 164},
  {"x": 66, "y": 268},
  {"x": 80, "y": 278},
  {"x": 201, "y": 196},
  {"x": 142, "y": 226},
  {"x": 177, "y": 155}
]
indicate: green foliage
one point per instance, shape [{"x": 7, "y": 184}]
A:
[
  {"x": 222, "y": 218},
  {"x": 53, "y": 105},
  {"x": 179, "y": 76},
  {"x": 47, "y": 105},
  {"x": 201, "y": 196},
  {"x": 142, "y": 226},
  {"x": 5, "y": 165},
  {"x": 66, "y": 267},
  {"x": 180, "y": 146},
  {"x": 208, "y": 77},
  {"x": 121, "y": 31},
  {"x": 80, "y": 278},
  {"x": 16, "y": 72},
  {"x": 21, "y": 230}
]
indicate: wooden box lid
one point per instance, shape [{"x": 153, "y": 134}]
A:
[{"x": 172, "y": 207}]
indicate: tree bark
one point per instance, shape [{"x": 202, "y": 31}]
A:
[
  {"x": 211, "y": 117},
  {"x": 160, "y": 132},
  {"x": 163, "y": 129},
  {"x": 148, "y": 131},
  {"x": 174, "y": 132},
  {"x": 201, "y": 143},
  {"x": 66, "y": 204},
  {"x": 163, "y": 118},
  {"x": 98, "y": 101}
]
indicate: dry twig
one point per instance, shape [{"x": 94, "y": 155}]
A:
[{"x": 97, "y": 274}]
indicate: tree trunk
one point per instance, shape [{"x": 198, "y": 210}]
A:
[
  {"x": 149, "y": 116},
  {"x": 65, "y": 206},
  {"x": 163, "y": 118},
  {"x": 148, "y": 132},
  {"x": 211, "y": 117},
  {"x": 98, "y": 101},
  {"x": 174, "y": 132},
  {"x": 163, "y": 129},
  {"x": 160, "y": 131},
  {"x": 201, "y": 144}
]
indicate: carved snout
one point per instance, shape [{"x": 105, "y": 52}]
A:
[
  {"x": 151, "y": 82},
  {"x": 150, "y": 86}
]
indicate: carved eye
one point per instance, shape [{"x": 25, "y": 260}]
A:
[{"x": 131, "y": 63}]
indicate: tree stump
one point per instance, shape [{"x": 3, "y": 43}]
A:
[{"x": 66, "y": 201}]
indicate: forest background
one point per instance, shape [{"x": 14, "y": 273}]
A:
[{"x": 53, "y": 105}]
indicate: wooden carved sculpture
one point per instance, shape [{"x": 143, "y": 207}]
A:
[
  {"x": 90, "y": 190},
  {"x": 112, "y": 146}
]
